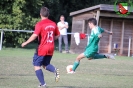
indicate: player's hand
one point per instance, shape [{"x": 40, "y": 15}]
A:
[
  {"x": 100, "y": 35},
  {"x": 24, "y": 44},
  {"x": 110, "y": 33}
]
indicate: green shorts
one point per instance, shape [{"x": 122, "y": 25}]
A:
[{"x": 89, "y": 53}]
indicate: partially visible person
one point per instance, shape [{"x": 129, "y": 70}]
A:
[
  {"x": 46, "y": 31},
  {"x": 63, "y": 26}
]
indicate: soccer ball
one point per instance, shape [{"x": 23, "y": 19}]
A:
[{"x": 69, "y": 68}]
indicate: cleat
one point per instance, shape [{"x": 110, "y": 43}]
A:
[
  {"x": 57, "y": 75},
  {"x": 110, "y": 56},
  {"x": 42, "y": 86}
]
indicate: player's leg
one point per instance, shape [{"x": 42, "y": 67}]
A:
[
  {"x": 50, "y": 67},
  {"x": 77, "y": 62},
  {"x": 60, "y": 43},
  {"x": 87, "y": 53},
  {"x": 101, "y": 56},
  {"x": 65, "y": 39},
  {"x": 37, "y": 62},
  {"x": 40, "y": 76},
  {"x": 47, "y": 65}
]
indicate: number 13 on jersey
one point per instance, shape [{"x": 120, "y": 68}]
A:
[{"x": 49, "y": 36}]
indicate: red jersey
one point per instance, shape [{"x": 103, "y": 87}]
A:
[{"x": 46, "y": 31}]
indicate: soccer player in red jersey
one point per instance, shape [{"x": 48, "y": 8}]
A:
[{"x": 46, "y": 31}]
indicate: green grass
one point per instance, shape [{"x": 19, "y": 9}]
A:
[{"x": 16, "y": 71}]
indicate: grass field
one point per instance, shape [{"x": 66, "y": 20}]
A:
[{"x": 16, "y": 71}]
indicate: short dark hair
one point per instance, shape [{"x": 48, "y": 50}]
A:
[
  {"x": 61, "y": 15},
  {"x": 44, "y": 11},
  {"x": 92, "y": 20}
]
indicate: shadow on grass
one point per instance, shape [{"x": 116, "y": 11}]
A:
[
  {"x": 65, "y": 87},
  {"x": 4, "y": 78},
  {"x": 76, "y": 87},
  {"x": 17, "y": 75}
]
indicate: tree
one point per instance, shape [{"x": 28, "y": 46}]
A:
[
  {"x": 23, "y": 14},
  {"x": 18, "y": 14}
]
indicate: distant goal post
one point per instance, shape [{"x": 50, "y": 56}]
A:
[{"x": 5, "y": 30}]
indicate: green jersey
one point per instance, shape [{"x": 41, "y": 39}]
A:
[{"x": 94, "y": 39}]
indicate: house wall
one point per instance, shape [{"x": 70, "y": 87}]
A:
[
  {"x": 122, "y": 29},
  {"x": 128, "y": 32}
]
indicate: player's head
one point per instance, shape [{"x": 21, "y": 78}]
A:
[
  {"x": 62, "y": 18},
  {"x": 44, "y": 12},
  {"x": 92, "y": 22}
]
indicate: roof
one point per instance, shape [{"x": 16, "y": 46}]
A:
[{"x": 102, "y": 7}]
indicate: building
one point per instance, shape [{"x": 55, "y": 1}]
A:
[{"x": 122, "y": 28}]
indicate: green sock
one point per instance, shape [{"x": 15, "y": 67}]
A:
[
  {"x": 99, "y": 56},
  {"x": 75, "y": 65}
]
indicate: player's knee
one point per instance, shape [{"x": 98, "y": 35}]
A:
[
  {"x": 77, "y": 59},
  {"x": 37, "y": 68}
]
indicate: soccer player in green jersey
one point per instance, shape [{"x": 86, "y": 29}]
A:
[{"x": 92, "y": 47}]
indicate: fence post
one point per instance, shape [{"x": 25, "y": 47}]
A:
[
  {"x": 129, "y": 47},
  {"x": 1, "y": 39}
]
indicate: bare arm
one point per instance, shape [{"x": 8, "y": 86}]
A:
[
  {"x": 109, "y": 32},
  {"x": 33, "y": 37},
  {"x": 61, "y": 27},
  {"x": 64, "y": 26},
  {"x": 106, "y": 31}
]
